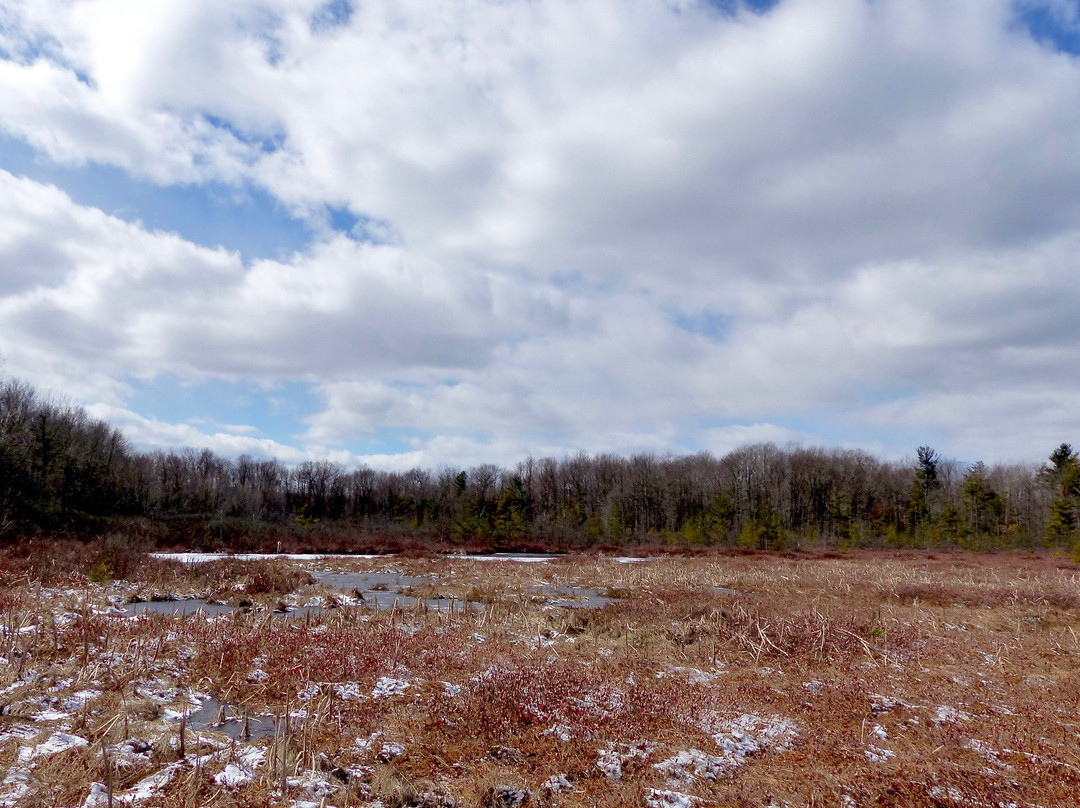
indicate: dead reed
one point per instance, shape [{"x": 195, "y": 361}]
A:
[{"x": 866, "y": 680}]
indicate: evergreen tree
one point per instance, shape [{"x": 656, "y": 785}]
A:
[
  {"x": 926, "y": 482},
  {"x": 1063, "y": 476},
  {"x": 982, "y": 505}
]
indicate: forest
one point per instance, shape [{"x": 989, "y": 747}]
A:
[{"x": 63, "y": 473}]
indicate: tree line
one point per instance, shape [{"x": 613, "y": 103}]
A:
[{"x": 61, "y": 470}]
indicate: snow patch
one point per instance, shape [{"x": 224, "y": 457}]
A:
[
  {"x": 877, "y": 755},
  {"x": 149, "y": 786},
  {"x": 21, "y": 734},
  {"x": 610, "y": 760},
  {"x": 693, "y": 763},
  {"x": 243, "y": 770},
  {"x": 316, "y": 787},
  {"x": 656, "y": 798},
  {"x": 610, "y": 763},
  {"x": 79, "y": 700},
  {"x": 389, "y": 751},
  {"x": 557, "y": 783},
  {"x": 747, "y": 735},
  {"x": 561, "y": 732},
  {"x": 364, "y": 744},
  {"x": 883, "y": 704},
  {"x": 954, "y": 794},
  {"x": 694, "y": 676},
  {"x": 98, "y": 796},
  {"x": 59, "y": 742},
  {"x": 389, "y": 686},
  {"x": 348, "y": 691},
  {"x": 51, "y": 715},
  {"x": 949, "y": 715}
]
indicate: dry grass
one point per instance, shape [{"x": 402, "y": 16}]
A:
[
  {"x": 867, "y": 680},
  {"x": 224, "y": 579}
]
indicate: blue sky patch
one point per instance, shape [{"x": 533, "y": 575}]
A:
[
  {"x": 248, "y": 219},
  {"x": 732, "y": 6},
  {"x": 343, "y": 220},
  {"x": 332, "y": 15},
  {"x": 711, "y": 324},
  {"x": 1056, "y": 25},
  {"x": 278, "y": 412},
  {"x": 384, "y": 441},
  {"x": 266, "y": 144},
  {"x": 213, "y": 405},
  {"x": 834, "y": 429}
]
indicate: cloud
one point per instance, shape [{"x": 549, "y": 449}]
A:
[
  {"x": 531, "y": 369},
  {"x": 1017, "y": 423},
  {"x": 621, "y": 136},
  {"x": 618, "y": 225},
  {"x": 149, "y": 432},
  {"x": 124, "y": 300},
  {"x": 722, "y": 440},
  {"x": 820, "y": 135}
]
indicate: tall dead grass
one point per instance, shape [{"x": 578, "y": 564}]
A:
[{"x": 905, "y": 681}]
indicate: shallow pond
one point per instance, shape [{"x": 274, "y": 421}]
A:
[
  {"x": 524, "y": 558},
  {"x": 253, "y": 727},
  {"x": 573, "y": 597},
  {"x": 187, "y": 606},
  {"x": 384, "y": 582},
  {"x": 382, "y": 591}
]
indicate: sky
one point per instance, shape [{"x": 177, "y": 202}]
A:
[{"x": 419, "y": 233}]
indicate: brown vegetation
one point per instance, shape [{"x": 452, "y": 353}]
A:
[{"x": 865, "y": 679}]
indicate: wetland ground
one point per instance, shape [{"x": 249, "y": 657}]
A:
[{"x": 731, "y": 680}]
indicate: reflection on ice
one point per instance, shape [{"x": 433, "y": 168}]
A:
[{"x": 186, "y": 606}]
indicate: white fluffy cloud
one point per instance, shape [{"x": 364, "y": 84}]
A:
[
  {"x": 124, "y": 299},
  {"x": 603, "y": 224}
]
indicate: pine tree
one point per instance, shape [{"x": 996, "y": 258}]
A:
[
  {"x": 1064, "y": 478},
  {"x": 922, "y": 487}
]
